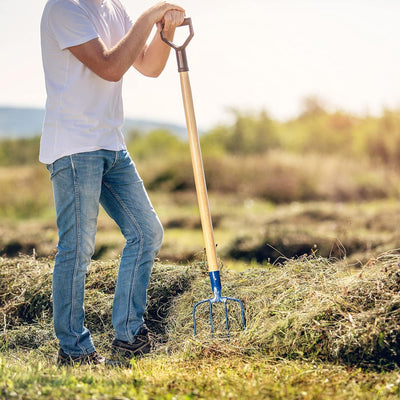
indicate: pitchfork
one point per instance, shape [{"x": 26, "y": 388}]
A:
[{"x": 200, "y": 183}]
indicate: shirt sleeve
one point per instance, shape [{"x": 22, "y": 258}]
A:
[
  {"x": 70, "y": 24},
  {"x": 127, "y": 20},
  {"x": 128, "y": 23}
]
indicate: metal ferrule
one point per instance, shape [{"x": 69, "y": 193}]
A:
[
  {"x": 216, "y": 285},
  {"x": 182, "y": 60}
]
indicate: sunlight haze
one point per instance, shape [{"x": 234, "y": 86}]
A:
[{"x": 249, "y": 55}]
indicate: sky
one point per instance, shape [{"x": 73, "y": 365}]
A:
[{"x": 247, "y": 55}]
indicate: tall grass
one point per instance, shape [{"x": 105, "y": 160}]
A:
[
  {"x": 277, "y": 176},
  {"x": 25, "y": 191},
  {"x": 19, "y": 151}
]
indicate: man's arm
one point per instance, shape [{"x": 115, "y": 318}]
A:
[
  {"x": 152, "y": 59},
  {"x": 111, "y": 64}
]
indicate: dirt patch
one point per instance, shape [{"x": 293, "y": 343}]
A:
[{"x": 278, "y": 250}]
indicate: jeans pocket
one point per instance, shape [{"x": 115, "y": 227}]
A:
[
  {"x": 50, "y": 168},
  {"x": 58, "y": 166}
]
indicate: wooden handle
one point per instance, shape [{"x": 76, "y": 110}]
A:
[{"x": 198, "y": 171}]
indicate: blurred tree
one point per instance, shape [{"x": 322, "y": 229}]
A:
[
  {"x": 312, "y": 106},
  {"x": 159, "y": 144},
  {"x": 383, "y": 142},
  {"x": 249, "y": 134}
]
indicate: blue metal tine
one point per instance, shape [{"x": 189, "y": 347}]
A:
[{"x": 216, "y": 288}]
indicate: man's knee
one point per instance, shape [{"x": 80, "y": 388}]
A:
[{"x": 148, "y": 233}]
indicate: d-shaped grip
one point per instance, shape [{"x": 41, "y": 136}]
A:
[{"x": 181, "y": 50}]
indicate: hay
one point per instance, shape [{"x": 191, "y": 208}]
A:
[
  {"x": 311, "y": 308},
  {"x": 25, "y": 291},
  {"x": 26, "y": 304}
]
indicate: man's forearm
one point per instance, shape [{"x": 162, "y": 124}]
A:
[
  {"x": 123, "y": 55},
  {"x": 155, "y": 56}
]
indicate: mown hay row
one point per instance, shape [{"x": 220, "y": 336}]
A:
[{"x": 310, "y": 307}]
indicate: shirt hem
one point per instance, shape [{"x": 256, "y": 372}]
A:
[{"x": 50, "y": 160}]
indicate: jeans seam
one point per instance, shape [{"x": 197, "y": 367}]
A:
[
  {"x": 133, "y": 219},
  {"x": 78, "y": 242}
]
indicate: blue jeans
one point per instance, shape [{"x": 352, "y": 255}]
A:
[{"x": 80, "y": 183}]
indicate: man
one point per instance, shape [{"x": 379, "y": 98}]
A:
[{"x": 87, "y": 46}]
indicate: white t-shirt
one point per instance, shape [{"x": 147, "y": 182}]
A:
[{"x": 83, "y": 111}]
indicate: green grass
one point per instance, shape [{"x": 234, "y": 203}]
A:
[{"x": 29, "y": 375}]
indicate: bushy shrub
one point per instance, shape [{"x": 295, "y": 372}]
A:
[
  {"x": 158, "y": 144},
  {"x": 319, "y": 155},
  {"x": 19, "y": 151}
]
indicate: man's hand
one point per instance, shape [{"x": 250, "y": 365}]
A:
[
  {"x": 171, "y": 20},
  {"x": 168, "y": 14}
]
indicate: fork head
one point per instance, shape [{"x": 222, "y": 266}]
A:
[{"x": 216, "y": 288}]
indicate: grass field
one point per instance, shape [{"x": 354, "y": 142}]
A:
[
  {"x": 350, "y": 210},
  {"x": 316, "y": 329},
  {"x": 247, "y": 231},
  {"x": 316, "y": 266}
]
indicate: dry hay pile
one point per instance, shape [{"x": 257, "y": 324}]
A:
[
  {"x": 310, "y": 307},
  {"x": 26, "y": 304}
]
